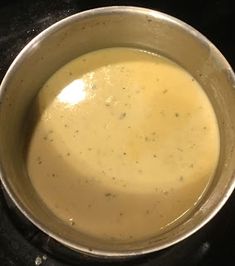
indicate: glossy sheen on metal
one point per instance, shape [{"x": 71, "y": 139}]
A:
[{"x": 92, "y": 30}]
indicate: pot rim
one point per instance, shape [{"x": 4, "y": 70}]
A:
[{"x": 20, "y": 58}]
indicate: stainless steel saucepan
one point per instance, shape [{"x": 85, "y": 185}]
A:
[{"x": 92, "y": 30}]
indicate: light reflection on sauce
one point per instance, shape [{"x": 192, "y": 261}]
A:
[
  {"x": 125, "y": 144},
  {"x": 73, "y": 93}
]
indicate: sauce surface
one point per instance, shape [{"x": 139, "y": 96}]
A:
[{"x": 125, "y": 143}]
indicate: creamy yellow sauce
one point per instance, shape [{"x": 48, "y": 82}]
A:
[{"x": 125, "y": 144}]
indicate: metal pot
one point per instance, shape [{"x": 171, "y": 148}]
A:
[{"x": 88, "y": 31}]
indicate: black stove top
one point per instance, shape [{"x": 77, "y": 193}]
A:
[{"x": 21, "y": 243}]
